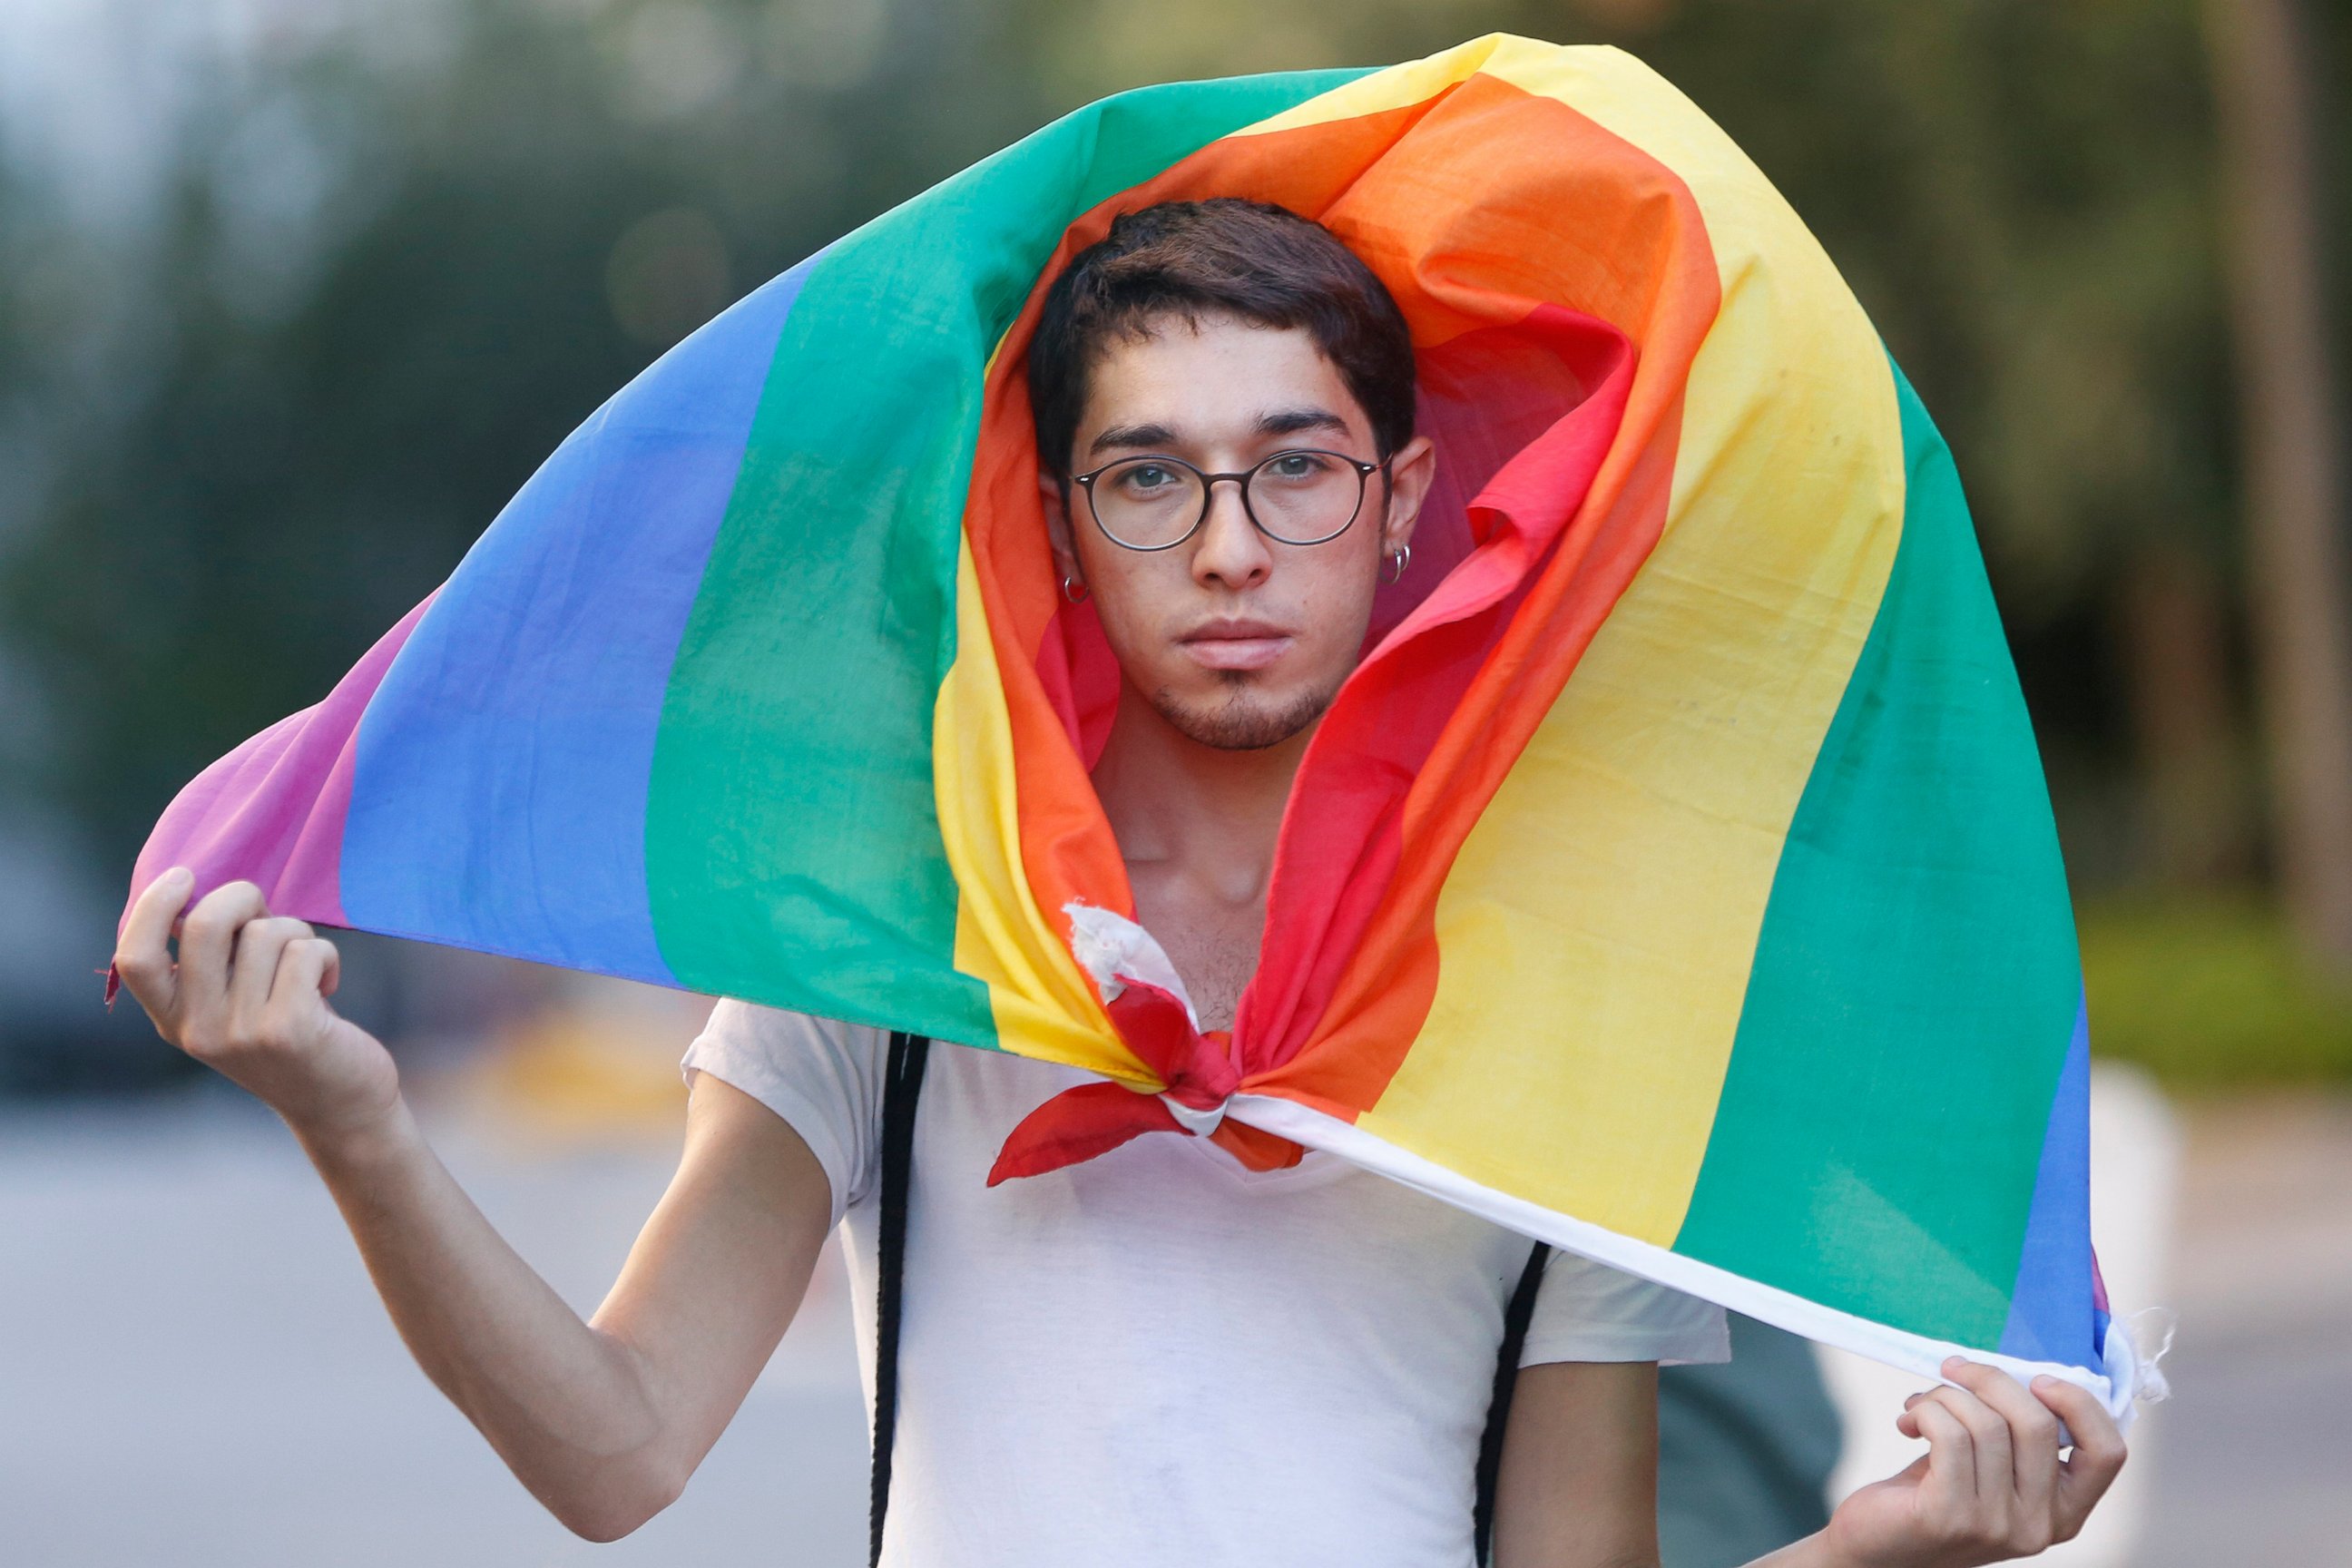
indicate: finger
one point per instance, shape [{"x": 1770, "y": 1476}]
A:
[
  {"x": 306, "y": 968},
  {"x": 1951, "y": 1481},
  {"x": 261, "y": 947},
  {"x": 2033, "y": 1433},
  {"x": 142, "y": 954},
  {"x": 207, "y": 942},
  {"x": 1996, "y": 1465},
  {"x": 2098, "y": 1452}
]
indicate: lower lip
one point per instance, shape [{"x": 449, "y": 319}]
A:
[{"x": 1237, "y": 652}]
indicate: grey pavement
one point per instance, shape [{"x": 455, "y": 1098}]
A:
[
  {"x": 2255, "y": 1461},
  {"x": 194, "y": 1370}
]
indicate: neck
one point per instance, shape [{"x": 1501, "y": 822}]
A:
[{"x": 1210, "y": 815}]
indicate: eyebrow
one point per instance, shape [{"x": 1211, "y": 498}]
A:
[
  {"x": 1280, "y": 422},
  {"x": 1291, "y": 421},
  {"x": 1135, "y": 435}
]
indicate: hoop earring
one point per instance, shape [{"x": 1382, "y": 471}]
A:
[
  {"x": 1398, "y": 559},
  {"x": 1075, "y": 591}
]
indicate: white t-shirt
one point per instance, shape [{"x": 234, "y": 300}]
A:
[{"x": 1158, "y": 1356}]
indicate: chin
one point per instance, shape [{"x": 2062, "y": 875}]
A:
[{"x": 1243, "y": 717}]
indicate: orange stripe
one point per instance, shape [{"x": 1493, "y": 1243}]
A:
[{"x": 1649, "y": 271}]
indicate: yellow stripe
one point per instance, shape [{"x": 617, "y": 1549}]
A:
[
  {"x": 1596, "y": 932},
  {"x": 1044, "y": 1005},
  {"x": 1398, "y": 86}
]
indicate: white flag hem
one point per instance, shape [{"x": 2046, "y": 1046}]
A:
[{"x": 1911, "y": 1353}]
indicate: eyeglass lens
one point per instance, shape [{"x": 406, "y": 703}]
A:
[{"x": 1300, "y": 497}]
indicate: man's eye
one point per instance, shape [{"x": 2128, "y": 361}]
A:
[
  {"x": 1298, "y": 465},
  {"x": 1151, "y": 476}
]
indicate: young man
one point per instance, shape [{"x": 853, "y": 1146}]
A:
[{"x": 1156, "y": 1356}]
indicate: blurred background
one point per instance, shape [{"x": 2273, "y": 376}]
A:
[{"x": 295, "y": 293}]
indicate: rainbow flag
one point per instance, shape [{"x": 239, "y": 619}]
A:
[{"x": 1674, "y": 881}]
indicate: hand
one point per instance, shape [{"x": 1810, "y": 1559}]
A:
[
  {"x": 1991, "y": 1486},
  {"x": 248, "y": 996}
]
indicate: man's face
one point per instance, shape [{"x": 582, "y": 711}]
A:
[{"x": 1238, "y": 640}]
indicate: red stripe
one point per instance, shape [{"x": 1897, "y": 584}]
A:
[{"x": 1554, "y": 386}]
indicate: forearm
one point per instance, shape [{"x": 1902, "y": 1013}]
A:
[
  {"x": 568, "y": 1407},
  {"x": 601, "y": 1421}
]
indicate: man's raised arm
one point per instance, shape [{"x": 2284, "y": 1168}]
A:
[{"x": 603, "y": 1420}]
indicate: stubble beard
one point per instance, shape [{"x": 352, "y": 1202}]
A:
[{"x": 1246, "y": 719}]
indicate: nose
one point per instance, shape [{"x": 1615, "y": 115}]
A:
[{"x": 1229, "y": 551}]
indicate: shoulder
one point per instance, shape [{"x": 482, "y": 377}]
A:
[
  {"x": 1588, "y": 1311},
  {"x": 822, "y": 1075},
  {"x": 735, "y": 1023}
]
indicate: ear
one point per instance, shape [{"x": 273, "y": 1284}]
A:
[
  {"x": 1058, "y": 536},
  {"x": 1411, "y": 472}
]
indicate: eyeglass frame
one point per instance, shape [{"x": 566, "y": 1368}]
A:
[{"x": 1364, "y": 472}]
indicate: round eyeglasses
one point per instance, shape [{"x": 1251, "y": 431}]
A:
[{"x": 1298, "y": 497}]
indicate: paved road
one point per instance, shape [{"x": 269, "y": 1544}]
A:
[
  {"x": 194, "y": 1372},
  {"x": 2255, "y": 1462}
]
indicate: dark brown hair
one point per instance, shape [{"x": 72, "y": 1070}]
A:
[{"x": 1251, "y": 259}]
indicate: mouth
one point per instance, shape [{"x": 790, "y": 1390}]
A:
[{"x": 1232, "y": 642}]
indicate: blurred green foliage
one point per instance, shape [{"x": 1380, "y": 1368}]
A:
[{"x": 2211, "y": 992}]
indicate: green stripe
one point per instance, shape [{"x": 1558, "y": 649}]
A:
[
  {"x": 1915, "y": 985},
  {"x": 793, "y": 851}
]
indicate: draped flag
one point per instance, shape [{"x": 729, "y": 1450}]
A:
[{"x": 1674, "y": 880}]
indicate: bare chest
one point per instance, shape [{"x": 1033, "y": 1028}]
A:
[{"x": 1214, "y": 947}]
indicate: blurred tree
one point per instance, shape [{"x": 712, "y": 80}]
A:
[
  {"x": 37, "y": 275},
  {"x": 2263, "y": 58},
  {"x": 388, "y": 282}
]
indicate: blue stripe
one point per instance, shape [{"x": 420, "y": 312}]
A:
[
  {"x": 2050, "y": 1308},
  {"x": 498, "y": 793}
]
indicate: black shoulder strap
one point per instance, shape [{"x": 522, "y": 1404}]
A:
[
  {"x": 1516, "y": 1318},
  {"x": 902, "y": 1082}
]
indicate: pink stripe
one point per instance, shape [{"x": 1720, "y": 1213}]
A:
[{"x": 272, "y": 811}]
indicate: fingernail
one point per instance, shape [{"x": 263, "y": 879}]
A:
[
  {"x": 179, "y": 874},
  {"x": 2043, "y": 1379}
]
